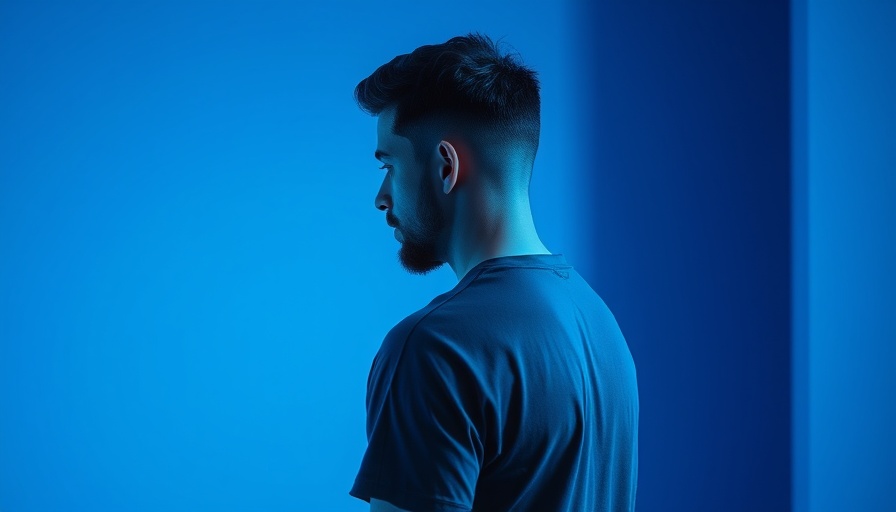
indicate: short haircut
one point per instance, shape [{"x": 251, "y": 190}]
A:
[{"x": 465, "y": 81}]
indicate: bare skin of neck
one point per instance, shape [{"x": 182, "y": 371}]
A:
[{"x": 481, "y": 231}]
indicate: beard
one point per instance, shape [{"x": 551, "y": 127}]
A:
[{"x": 419, "y": 237}]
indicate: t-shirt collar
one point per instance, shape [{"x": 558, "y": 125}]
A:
[{"x": 522, "y": 260}]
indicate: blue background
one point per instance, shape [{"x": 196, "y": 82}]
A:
[
  {"x": 194, "y": 280},
  {"x": 691, "y": 239}
]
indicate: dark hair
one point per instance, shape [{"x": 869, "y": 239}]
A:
[{"x": 464, "y": 81}]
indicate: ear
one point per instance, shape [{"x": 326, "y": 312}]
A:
[{"x": 450, "y": 166}]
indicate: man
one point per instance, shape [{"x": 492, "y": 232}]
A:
[{"x": 515, "y": 390}]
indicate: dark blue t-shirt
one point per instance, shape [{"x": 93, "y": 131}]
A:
[{"x": 513, "y": 391}]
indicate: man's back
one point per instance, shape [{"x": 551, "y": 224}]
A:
[{"x": 513, "y": 391}]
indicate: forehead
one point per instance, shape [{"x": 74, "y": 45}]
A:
[
  {"x": 384, "y": 123},
  {"x": 395, "y": 145}
]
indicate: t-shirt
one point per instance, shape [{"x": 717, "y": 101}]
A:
[{"x": 515, "y": 390}]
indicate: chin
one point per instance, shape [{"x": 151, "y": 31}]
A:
[{"x": 416, "y": 261}]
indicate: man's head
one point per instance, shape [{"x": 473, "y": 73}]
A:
[{"x": 455, "y": 118}]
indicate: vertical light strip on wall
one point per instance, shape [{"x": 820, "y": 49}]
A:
[{"x": 799, "y": 259}]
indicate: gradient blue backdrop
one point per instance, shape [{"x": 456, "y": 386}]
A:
[
  {"x": 194, "y": 279},
  {"x": 193, "y": 276},
  {"x": 691, "y": 239}
]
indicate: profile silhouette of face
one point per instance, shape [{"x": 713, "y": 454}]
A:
[{"x": 408, "y": 196}]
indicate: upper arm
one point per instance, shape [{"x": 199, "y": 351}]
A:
[
  {"x": 384, "y": 506},
  {"x": 424, "y": 448}
]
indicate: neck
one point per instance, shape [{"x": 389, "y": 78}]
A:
[{"x": 487, "y": 229}]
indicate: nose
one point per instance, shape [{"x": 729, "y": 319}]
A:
[{"x": 383, "y": 200}]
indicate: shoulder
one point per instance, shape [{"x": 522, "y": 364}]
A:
[
  {"x": 448, "y": 334},
  {"x": 432, "y": 363},
  {"x": 438, "y": 328}
]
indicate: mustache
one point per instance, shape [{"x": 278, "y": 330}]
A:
[{"x": 391, "y": 221}]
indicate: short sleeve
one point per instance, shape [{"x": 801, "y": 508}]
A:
[{"x": 423, "y": 427}]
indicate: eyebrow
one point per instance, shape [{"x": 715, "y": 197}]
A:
[{"x": 380, "y": 153}]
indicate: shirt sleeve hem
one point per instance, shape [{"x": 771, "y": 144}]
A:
[{"x": 364, "y": 489}]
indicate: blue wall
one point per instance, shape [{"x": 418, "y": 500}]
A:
[
  {"x": 194, "y": 280},
  {"x": 845, "y": 255},
  {"x": 685, "y": 131},
  {"x": 193, "y": 276},
  {"x": 742, "y": 204}
]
